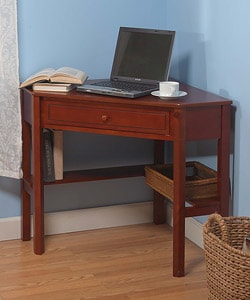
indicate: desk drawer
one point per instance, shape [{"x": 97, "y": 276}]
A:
[{"x": 114, "y": 118}]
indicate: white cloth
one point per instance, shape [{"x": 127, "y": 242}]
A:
[{"x": 10, "y": 115}]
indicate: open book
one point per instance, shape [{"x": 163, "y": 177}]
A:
[{"x": 61, "y": 75}]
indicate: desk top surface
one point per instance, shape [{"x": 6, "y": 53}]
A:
[{"x": 194, "y": 97}]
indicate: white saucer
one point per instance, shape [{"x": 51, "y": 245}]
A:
[{"x": 157, "y": 94}]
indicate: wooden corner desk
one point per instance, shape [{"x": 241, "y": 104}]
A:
[{"x": 198, "y": 116}]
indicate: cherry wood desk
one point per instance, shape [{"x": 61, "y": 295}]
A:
[{"x": 198, "y": 116}]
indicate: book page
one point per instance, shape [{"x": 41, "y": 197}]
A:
[
  {"x": 58, "y": 154},
  {"x": 63, "y": 75},
  {"x": 41, "y": 75},
  {"x": 70, "y": 75},
  {"x": 68, "y": 72}
]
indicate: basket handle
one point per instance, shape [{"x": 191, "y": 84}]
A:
[{"x": 217, "y": 218}]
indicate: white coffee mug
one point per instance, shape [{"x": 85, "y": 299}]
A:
[{"x": 169, "y": 88}]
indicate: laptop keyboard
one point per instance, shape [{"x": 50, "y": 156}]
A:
[{"x": 128, "y": 86}]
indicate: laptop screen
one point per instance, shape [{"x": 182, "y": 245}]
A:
[{"x": 142, "y": 55}]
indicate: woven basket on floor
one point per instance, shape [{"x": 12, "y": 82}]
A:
[{"x": 228, "y": 267}]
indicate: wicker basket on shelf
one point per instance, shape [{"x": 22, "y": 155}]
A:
[
  {"x": 228, "y": 267},
  {"x": 201, "y": 181}
]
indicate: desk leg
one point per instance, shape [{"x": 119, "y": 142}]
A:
[
  {"x": 26, "y": 224},
  {"x": 179, "y": 196},
  {"x": 179, "y": 218},
  {"x": 159, "y": 200},
  {"x": 224, "y": 161},
  {"x": 25, "y": 182},
  {"x": 38, "y": 222},
  {"x": 159, "y": 208},
  {"x": 38, "y": 227},
  {"x": 38, "y": 187}
]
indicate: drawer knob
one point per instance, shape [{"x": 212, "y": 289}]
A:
[{"x": 105, "y": 118}]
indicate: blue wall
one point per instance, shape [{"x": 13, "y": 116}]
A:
[
  {"x": 211, "y": 52},
  {"x": 79, "y": 33},
  {"x": 82, "y": 34}
]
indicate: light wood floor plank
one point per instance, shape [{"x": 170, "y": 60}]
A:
[{"x": 124, "y": 263}]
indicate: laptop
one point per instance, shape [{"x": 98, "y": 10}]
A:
[{"x": 142, "y": 59}]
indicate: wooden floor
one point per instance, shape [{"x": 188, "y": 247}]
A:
[{"x": 132, "y": 262}]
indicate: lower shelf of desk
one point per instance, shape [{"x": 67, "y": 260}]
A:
[
  {"x": 93, "y": 175},
  {"x": 100, "y": 174},
  {"x": 196, "y": 207}
]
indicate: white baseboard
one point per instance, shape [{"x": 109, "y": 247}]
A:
[
  {"x": 10, "y": 228},
  {"x": 83, "y": 219},
  {"x": 101, "y": 217}
]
